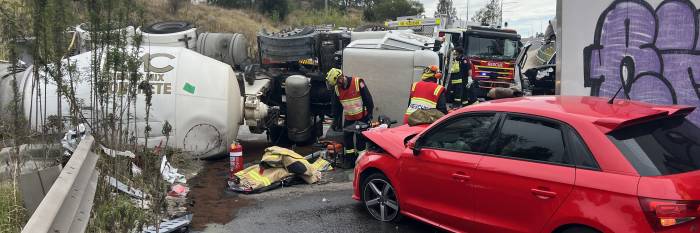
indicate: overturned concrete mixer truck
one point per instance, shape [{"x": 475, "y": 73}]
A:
[{"x": 206, "y": 85}]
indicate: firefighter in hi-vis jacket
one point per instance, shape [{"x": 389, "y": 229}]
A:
[
  {"x": 427, "y": 93},
  {"x": 353, "y": 102}
]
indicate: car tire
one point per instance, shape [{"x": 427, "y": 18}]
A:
[
  {"x": 579, "y": 229},
  {"x": 379, "y": 198}
]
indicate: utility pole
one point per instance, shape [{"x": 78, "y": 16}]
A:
[
  {"x": 500, "y": 19},
  {"x": 468, "y": 13}
]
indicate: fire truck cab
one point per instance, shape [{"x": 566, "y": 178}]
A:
[{"x": 491, "y": 51}]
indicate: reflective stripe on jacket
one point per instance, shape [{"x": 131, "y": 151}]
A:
[
  {"x": 351, "y": 99},
  {"x": 454, "y": 68},
  {"x": 424, "y": 95}
]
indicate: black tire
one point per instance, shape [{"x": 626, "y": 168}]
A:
[
  {"x": 327, "y": 59},
  {"x": 371, "y": 28},
  {"x": 168, "y": 27},
  {"x": 379, "y": 200},
  {"x": 296, "y": 32},
  {"x": 579, "y": 229}
]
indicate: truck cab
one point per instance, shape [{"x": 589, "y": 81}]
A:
[{"x": 491, "y": 51}]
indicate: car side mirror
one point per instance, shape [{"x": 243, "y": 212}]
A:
[{"x": 412, "y": 145}]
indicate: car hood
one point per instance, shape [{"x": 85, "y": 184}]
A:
[{"x": 392, "y": 139}]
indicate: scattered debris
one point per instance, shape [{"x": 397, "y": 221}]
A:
[
  {"x": 171, "y": 225},
  {"x": 72, "y": 138},
  {"x": 178, "y": 190},
  {"x": 322, "y": 165},
  {"x": 133, "y": 192},
  {"x": 136, "y": 170},
  {"x": 176, "y": 206},
  {"x": 170, "y": 174},
  {"x": 114, "y": 153}
]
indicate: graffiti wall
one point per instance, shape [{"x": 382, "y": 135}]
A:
[{"x": 646, "y": 50}]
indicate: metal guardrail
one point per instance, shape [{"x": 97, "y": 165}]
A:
[{"x": 67, "y": 205}]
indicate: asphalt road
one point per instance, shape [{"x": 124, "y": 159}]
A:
[
  {"x": 323, "y": 207},
  {"x": 311, "y": 208}
]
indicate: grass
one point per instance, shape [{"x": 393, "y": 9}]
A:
[
  {"x": 211, "y": 18},
  {"x": 320, "y": 17},
  {"x": 12, "y": 214}
]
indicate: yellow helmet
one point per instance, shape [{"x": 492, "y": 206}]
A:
[
  {"x": 431, "y": 72},
  {"x": 333, "y": 75}
]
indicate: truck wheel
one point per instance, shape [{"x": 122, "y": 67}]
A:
[
  {"x": 327, "y": 59},
  {"x": 370, "y": 28},
  {"x": 168, "y": 27}
]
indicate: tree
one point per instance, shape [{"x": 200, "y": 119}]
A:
[
  {"x": 390, "y": 9},
  {"x": 445, "y": 8},
  {"x": 232, "y": 3},
  {"x": 175, "y": 5},
  {"x": 276, "y": 9},
  {"x": 489, "y": 14}
]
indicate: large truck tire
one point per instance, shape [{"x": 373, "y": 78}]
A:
[
  {"x": 168, "y": 27},
  {"x": 327, "y": 58},
  {"x": 288, "y": 46},
  {"x": 371, "y": 28},
  {"x": 170, "y": 34}
]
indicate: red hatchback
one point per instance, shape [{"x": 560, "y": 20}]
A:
[{"x": 539, "y": 164}]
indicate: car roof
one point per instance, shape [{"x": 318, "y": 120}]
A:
[{"x": 594, "y": 109}]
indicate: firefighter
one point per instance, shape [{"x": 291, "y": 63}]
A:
[
  {"x": 427, "y": 93},
  {"x": 354, "y": 102},
  {"x": 471, "y": 90},
  {"x": 456, "y": 90}
]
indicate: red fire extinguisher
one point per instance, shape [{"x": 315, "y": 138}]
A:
[{"x": 236, "y": 158}]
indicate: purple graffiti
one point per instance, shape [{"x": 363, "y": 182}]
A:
[{"x": 653, "y": 55}]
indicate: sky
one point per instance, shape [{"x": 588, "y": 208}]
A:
[{"x": 525, "y": 16}]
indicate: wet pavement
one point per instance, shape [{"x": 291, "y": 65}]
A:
[
  {"x": 323, "y": 207},
  {"x": 311, "y": 208}
]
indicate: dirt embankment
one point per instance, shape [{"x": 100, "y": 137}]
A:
[{"x": 210, "y": 18}]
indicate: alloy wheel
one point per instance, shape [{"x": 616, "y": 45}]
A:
[{"x": 380, "y": 200}]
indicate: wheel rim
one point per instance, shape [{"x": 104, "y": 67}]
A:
[{"x": 380, "y": 200}]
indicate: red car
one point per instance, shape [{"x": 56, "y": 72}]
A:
[{"x": 539, "y": 164}]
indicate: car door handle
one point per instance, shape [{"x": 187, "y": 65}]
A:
[
  {"x": 543, "y": 194},
  {"x": 461, "y": 176}
]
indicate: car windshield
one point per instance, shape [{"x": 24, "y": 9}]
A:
[
  {"x": 661, "y": 147},
  {"x": 500, "y": 48}
]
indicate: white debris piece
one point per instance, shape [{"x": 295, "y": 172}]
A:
[
  {"x": 72, "y": 138},
  {"x": 113, "y": 153},
  {"x": 170, "y": 225},
  {"x": 136, "y": 170},
  {"x": 170, "y": 174},
  {"x": 135, "y": 193}
]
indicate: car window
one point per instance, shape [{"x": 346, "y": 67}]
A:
[
  {"x": 660, "y": 147},
  {"x": 580, "y": 153},
  {"x": 532, "y": 139},
  {"x": 467, "y": 134}
]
